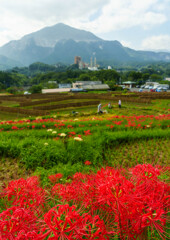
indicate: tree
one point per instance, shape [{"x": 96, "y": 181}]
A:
[
  {"x": 12, "y": 90},
  {"x": 155, "y": 77},
  {"x": 84, "y": 77},
  {"x": 36, "y": 89}
]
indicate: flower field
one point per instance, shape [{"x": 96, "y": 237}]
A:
[{"x": 95, "y": 177}]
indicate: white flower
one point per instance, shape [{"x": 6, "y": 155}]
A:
[
  {"x": 76, "y": 119},
  {"x": 49, "y": 130},
  {"x": 78, "y": 139},
  {"x": 62, "y": 135},
  {"x": 46, "y": 144},
  {"x": 54, "y": 132}
]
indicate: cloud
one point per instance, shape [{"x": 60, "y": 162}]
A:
[
  {"x": 20, "y": 17},
  {"x": 127, "y": 43},
  {"x": 124, "y": 14},
  {"x": 161, "y": 42}
]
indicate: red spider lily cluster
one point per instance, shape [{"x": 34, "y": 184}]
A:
[
  {"x": 135, "y": 122},
  {"x": 87, "y": 162},
  {"x": 54, "y": 178},
  {"x": 103, "y": 205}
]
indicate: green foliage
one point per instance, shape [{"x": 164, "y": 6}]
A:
[
  {"x": 36, "y": 154},
  {"x": 12, "y": 90},
  {"x": 36, "y": 89},
  {"x": 155, "y": 77},
  {"x": 67, "y": 170}
]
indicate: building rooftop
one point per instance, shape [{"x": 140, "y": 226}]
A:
[
  {"x": 96, "y": 87},
  {"x": 129, "y": 82},
  {"x": 56, "y": 90}
]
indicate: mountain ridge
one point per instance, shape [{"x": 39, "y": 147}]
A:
[{"x": 61, "y": 43}]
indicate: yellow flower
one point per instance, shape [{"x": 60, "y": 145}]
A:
[
  {"x": 46, "y": 144},
  {"x": 78, "y": 139},
  {"x": 54, "y": 132},
  {"x": 62, "y": 135}
]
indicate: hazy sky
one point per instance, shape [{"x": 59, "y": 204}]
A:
[{"x": 139, "y": 24}]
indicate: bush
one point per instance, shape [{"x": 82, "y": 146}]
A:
[{"x": 36, "y": 89}]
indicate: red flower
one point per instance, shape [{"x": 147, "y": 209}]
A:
[
  {"x": 15, "y": 220},
  {"x": 62, "y": 222},
  {"x": 87, "y": 163},
  {"x": 14, "y": 128},
  {"x": 54, "y": 178},
  {"x": 72, "y": 133},
  {"x": 87, "y": 132}
]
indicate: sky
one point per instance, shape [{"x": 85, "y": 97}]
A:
[{"x": 138, "y": 24}]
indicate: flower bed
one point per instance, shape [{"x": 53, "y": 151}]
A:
[{"x": 109, "y": 204}]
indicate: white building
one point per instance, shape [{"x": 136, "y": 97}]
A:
[{"x": 90, "y": 85}]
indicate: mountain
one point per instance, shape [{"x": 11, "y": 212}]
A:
[
  {"x": 61, "y": 43},
  {"x": 7, "y": 63}
]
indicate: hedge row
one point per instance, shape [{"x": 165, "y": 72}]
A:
[
  {"x": 45, "y": 95},
  {"x": 23, "y": 111},
  {"x": 156, "y": 97},
  {"x": 67, "y": 105},
  {"x": 24, "y": 104},
  {"x": 15, "y": 99},
  {"x": 127, "y": 96}
]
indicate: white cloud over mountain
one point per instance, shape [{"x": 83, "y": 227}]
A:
[{"x": 161, "y": 42}]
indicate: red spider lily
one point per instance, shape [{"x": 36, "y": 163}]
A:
[
  {"x": 25, "y": 193},
  {"x": 94, "y": 228},
  {"x": 87, "y": 163},
  {"x": 24, "y": 235},
  {"x": 117, "y": 123},
  {"x": 72, "y": 133},
  {"x": 14, "y": 128},
  {"x": 79, "y": 176},
  {"x": 69, "y": 126},
  {"x": 43, "y": 126},
  {"x": 122, "y": 203},
  {"x": 146, "y": 171},
  {"x": 64, "y": 222},
  {"x": 15, "y": 220},
  {"x": 87, "y": 132},
  {"x": 56, "y": 139},
  {"x": 54, "y": 178}
]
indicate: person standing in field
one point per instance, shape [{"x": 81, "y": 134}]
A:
[
  {"x": 99, "y": 109},
  {"x": 109, "y": 105},
  {"x": 119, "y": 103}
]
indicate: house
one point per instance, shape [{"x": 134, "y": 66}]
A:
[
  {"x": 79, "y": 84},
  {"x": 90, "y": 85},
  {"x": 129, "y": 84},
  {"x": 56, "y": 90},
  {"x": 96, "y": 87},
  {"x": 64, "y": 85}
]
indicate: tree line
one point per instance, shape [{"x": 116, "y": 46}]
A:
[{"x": 49, "y": 76}]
